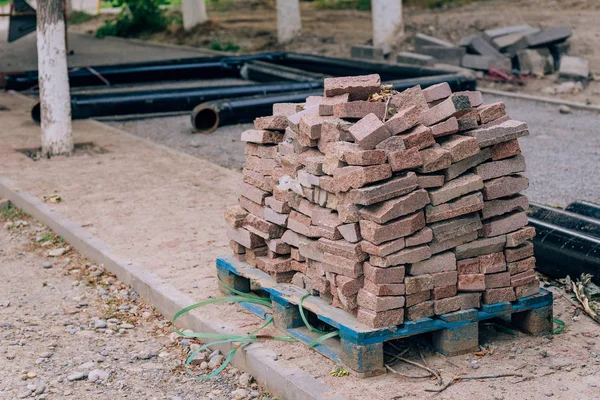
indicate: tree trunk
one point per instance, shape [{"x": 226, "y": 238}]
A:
[
  {"x": 289, "y": 23},
  {"x": 194, "y": 13},
  {"x": 57, "y": 138},
  {"x": 387, "y": 23}
]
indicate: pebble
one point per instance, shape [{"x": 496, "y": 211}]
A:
[
  {"x": 31, "y": 375},
  {"x": 215, "y": 361},
  {"x": 474, "y": 364},
  {"x": 214, "y": 354},
  {"x": 239, "y": 394},
  {"x": 203, "y": 365},
  {"x": 126, "y": 326},
  {"x": 100, "y": 324},
  {"x": 47, "y": 265},
  {"x": 563, "y": 109},
  {"x": 57, "y": 252},
  {"x": 87, "y": 365},
  {"x": 244, "y": 380},
  {"x": 98, "y": 375},
  {"x": 75, "y": 377},
  {"x": 40, "y": 389},
  {"x": 46, "y": 354},
  {"x": 24, "y": 394},
  {"x": 11, "y": 356}
]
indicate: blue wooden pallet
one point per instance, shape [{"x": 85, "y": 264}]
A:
[{"x": 361, "y": 348}]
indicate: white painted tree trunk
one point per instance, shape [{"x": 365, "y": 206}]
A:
[
  {"x": 289, "y": 23},
  {"x": 57, "y": 137},
  {"x": 194, "y": 13},
  {"x": 387, "y": 23}
]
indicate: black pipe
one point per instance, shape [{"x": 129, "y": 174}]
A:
[
  {"x": 560, "y": 252},
  {"x": 179, "y": 69},
  {"x": 154, "y": 101},
  {"x": 565, "y": 219},
  {"x": 207, "y": 117},
  {"x": 585, "y": 208},
  {"x": 262, "y": 71}
]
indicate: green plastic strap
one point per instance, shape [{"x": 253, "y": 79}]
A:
[
  {"x": 561, "y": 324},
  {"x": 319, "y": 340},
  {"x": 323, "y": 338},
  {"x": 235, "y": 291}
]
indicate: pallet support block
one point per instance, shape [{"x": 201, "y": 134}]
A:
[
  {"x": 285, "y": 314},
  {"x": 535, "y": 322},
  {"x": 458, "y": 340},
  {"x": 363, "y": 360},
  {"x": 232, "y": 280}
]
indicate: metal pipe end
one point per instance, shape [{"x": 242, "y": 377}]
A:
[
  {"x": 36, "y": 112},
  {"x": 205, "y": 118}
]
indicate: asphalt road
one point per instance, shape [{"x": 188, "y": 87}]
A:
[{"x": 562, "y": 151}]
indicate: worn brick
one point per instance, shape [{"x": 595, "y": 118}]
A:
[
  {"x": 522, "y": 278},
  {"x": 448, "y": 229},
  {"x": 359, "y": 109},
  {"x": 455, "y": 188},
  {"x": 460, "y": 147},
  {"x": 261, "y": 136},
  {"x": 480, "y": 247},
  {"x": 394, "y": 208},
  {"x": 416, "y": 298},
  {"x": 471, "y": 282},
  {"x": 295, "y": 253},
  {"x": 404, "y": 256},
  {"x": 401, "y": 160},
  {"x": 253, "y": 193},
  {"x": 275, "y": 217},
  {"x": 236, "y": 247},
  {"x": 468, "y": 266},
  {"x": 380, "y": 319},
  {"x": 384, "y": 289},
  {"x": 499, "y": 295},
  {"x": 403, "y": 120},
  {"x": 475, "y": 97},
  {"x": 447, "y": 305},
  {"x": 504, "y": 150},
  {"x": 350, "y": 232},
  {"x": 292, "y": 238},
  {"x": 244, "y": 237},
  {"x": 438, "y": 263},
  {"x": 430, "y": 181},
  {"x": 519, "y": 237},
  {"x": 259, "y": 150},
  {"x": 469, "y": 300},
  {"x": 271, "y": 123},
  {"x": 444, "y": 292},
  {"x": 493, "y": 208},
  {"x": 235, "y": 215},
  {"x": 310, "y": 125},
  {"x": 348, "y": 286},
  {"x": 373, "y": 302},
  {"x": 420, "y": 137},
  {"x": 501, "y": 279},
  {"x": 415, "y": 284},
  {"x": 437, "y": 246},
  {"x": 491, "y": 135},
  {"x": 383, "y": 249},
  {"x": 463, "y": 205},
  {"x": 369, "y": 132},
  {"x": 278, "y": 246},
  {"x": 419, "y": 311},
  {"x": 294, "y": 119},
  {"x": 379, "y": 233},
  {"x": 258, "y": 180},
  {"x": 521, "y": 266},
  {"x": 326, "y": 104},
  {"x": 491, "y": 112},
  {"x": 251, "y": 207},
  {"x": 468, "y": 121},
  {"x": 528, "y": 289},
  {"x": 504, "y": 186},
  {"x": 423, "y": 236},
  {"x": 454, "y": 106},
  {"x": 437, "y": 92},
  {"x": 444, "y": 128},
  {"x": 358, "y": 87},
  {"x": 458, "y": 168},
  {"x": 384, "y": 275},
  {"x": 504, "y": 224},
  {"x": 409, "y": 97},
  {"x": 496, "y": 169},
  {"x": 286, "y": 109},
  {"x": 342, "y": 248},
  {"x": 354, "y": 177},
  {"x": 393, "y": 143},
  {"x": 435, "y": 158},
  {"x": 443, "y": 279},
  {"x": 359, "y": 156},
  {"x": 492, "y": 263}
]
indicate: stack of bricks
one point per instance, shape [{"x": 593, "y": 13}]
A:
[{"x": 389, "y": 205}]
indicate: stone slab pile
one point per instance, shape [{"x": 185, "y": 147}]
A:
[{"x": 390, "y": 205}]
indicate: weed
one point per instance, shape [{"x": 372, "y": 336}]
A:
[
  {"x": 11, "y": 213},
  {"x": 344, "y": 4},
  {"x": 227, "y": 46},
  {"x": 79, "y": 17},
  {"x": 136, "y": 17},
  {"x": 52, "y": 237}
]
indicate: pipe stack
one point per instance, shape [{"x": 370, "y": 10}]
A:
[{"x": 389, "y": 205}]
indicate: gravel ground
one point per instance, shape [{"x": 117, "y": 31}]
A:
[
  {"x": 562, "y": 152},
  {"x": 68, "y": 329}
]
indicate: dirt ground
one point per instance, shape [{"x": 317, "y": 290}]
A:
[
  {"x": 69, "y": 329},
  {"x": 251, "y": 25}
]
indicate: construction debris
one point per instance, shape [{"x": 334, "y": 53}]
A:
[{"x": 390, "y": 205}]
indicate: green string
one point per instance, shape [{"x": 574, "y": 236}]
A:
[
  {"x": 561, "y": 325},
  {"x": 326, "y": 335}
]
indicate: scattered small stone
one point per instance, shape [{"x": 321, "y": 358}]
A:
[
  {"x": 126, "y": 326},
  {"x": 203, "y": 365},
  {"x": 76, "y": 376},
  {"x": 564, "y": 109},
  {"x": 98, "y": 375},
  {"x": 239, "y": 394},
  {"x": 215, "y": 361},
  {"x": 47, "y": 265},
  {"x": 87, "y": 365},
  {"x": 548, "y": 394},
  {"x": 474, "y": 364},
  {"x": 46, "y": 354},
  {"x": 57, "y": 252},
  {"x": 11, "y": 356},
  {"x": 244, "y": 379},
  {"x": 100, "y": 324},
  {"x": 40, "y": 389},
  {"x": 24, "y": 394},
  {"x": 31, "y": 375},
  {"x": 214, "y": 354}
]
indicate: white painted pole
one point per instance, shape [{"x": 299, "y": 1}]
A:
[
  {"x": 194, "y": 13},
  {"x": 387, "y": 23},
  {"x": 57, "y": 137},
  {"x": 289, "y": 23}
]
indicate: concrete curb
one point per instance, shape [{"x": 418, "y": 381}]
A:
[
  {"x": 256, "y": 359},
  {"x": 558, "y": 102}
]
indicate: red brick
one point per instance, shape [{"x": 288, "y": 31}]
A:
[
  {"x": 286, "y": 109},
  {"x": 326, "y": 104},
  {"x": 501, "y": 279},
  {"x": 310, "y": 126},
  {"x": 504, "y": 224},
  {"x": 377, "y": 233},
  {"x": 384, "y": 289},
  {"x": 354, "y": 177},
  {"x": 468, "y": 121},
  {"x": 445, "y": 128},
  {"x": 417, "y": 298},
  {"x": 438, "y": 263},
  {"x": 409, "y": 97},
  {"x": 403, "y": 120},
  {"x": 261, "y": 136},
  {"x": 416, "y": 284},
  {"x": 384, "y": 275},
  {"x": 460, "y": 147},
  {"x": 420, "y": 137},
  {"x": 383, "y": 249},
  {"x": 246, "y": 238},
  {"x": 494, "y": 134},
  {"x": 443, "y": 279},
  {"x": 434, "y": 159},
  {"x": 379, "y": 303},
  {"x": 404, "y": 256},
  {"x": 271, "y": 123},
  {"x": 452, "y": 228},
  {"x": 520, "y": 252},
  {"x": 358, "y": 156},
  {"x": 437, "y": 92},
  {"x": 447, "y": 305},
  {"x": 504, "y": 186},
  {"x": 460, "y": 167},
  {"x": 494, "y": 208},
  {"x": 471, "y": 282},
  {"x": 500, "y": 295},
  {"x": 454, "y": 106},
  {"x": 496, "y": 169},
  {"x": 235, "y": 215},
  {"x": 430, "y": 181},
  {"x": 359, "y": 109},
  {"x": 380, "y": 319},
  {"x": 236, "y": 247},
  {"x": 520, "y": 266},
  {"x": 461, "y": 206},
  {"x": 350, "y": 232},
  {"x": 528, "y": 289},
  {"x": 342, "y": 248},
  {"x": 399, "y": 185},
  {"x": 444, "y": 292},
  {"x": 491, "y": 112},
  {"x": 475, "y": 97},
  {"x": 492, "y": 263},
  {"x": 469, "y": 300},
  {"x": 348, "y": 286},
  {"x": 468, "y": 266},
  {"x": 523, "y": 278},
  {"x": 462, "y": 185},
  {"x": 519, "y": 237},
  {"x": 505, "y": 149},
  {"x": 421, "y": 310},
  {"x": 342, "y": 266},
  {"x": 278, "y": 246},
  {"x": 359, "y": 87},
  {"x": 369, "y": 132},
  {"x": 262, "y": 228},
  {"x": 423, "y": 236},
  {"x": 394, "y": 208},
  {"x": 251, "y": 207},
  {"x": 405, "y": 159}
]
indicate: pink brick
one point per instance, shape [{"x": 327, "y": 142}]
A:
[
  {"x": 520, "y": 252},
  {"x": 348, "y": 286},
  {"x": 404, "y": 256},
  {"x": 275, "y": 217},
  {"x": 278, "y": 246},
  {"x": 235, "y": 215},
  {"x": 475, "y": 97},
  {"x": 393, "y": 143},
  {"x": 519, "y": 237},
  {"x": 358, "y": 156},
  {"x": 505, "y": 149},
  {"x": 380, "y": 319},
  {"x": 463, "y": 205},
  {"x": 447, "y": 305},
  {"x": 454, "y": 106},
  {"x": 253, "y": 193},
  {"x": 359, "y": 109},
  {"x": 434, "y": 158},
  {"x": 286, "y": 109},
  {"x": 342, "y": 266},
  {"x": 423, "y": 236},
  {"x": 494, "y": 208},
  {"x": 523, "y": 278},
  {"x": 327, "y": 103},
  {"x": 442, "y": 279},
  {"x": 377, "y": 233},
  {"x": 399, "y": 185},
  {"x": 342, "y": 248},
  {"x": 384, "y": 289},
  {"x": 419, "y": 311},
  {"x": 471, "y": 282},
  {"x": 445, "y": 128},
  {"x": 354, "y": 177},
  {"x": 460, "y": 147},
  {"x": 236, "y": 247},
  {"x": 271, "y": 123},
  {"x": 430, "y": 181},
  {"x": 504, "y": 224},
  {"x": 384, "y": 275},
  {"x": 444, "y": 292},
  {"x": 490, "y": 135},
  {"x": 420, "y": 137},
  {"x": 496, "y": 169},
  {"x": 310, "y": 125},
  {"x": 359, "y": 87},
  {"x": 281, "y": 264},
  {"x": 251, "y": 207},
  {"x": 244, "y": 237},
  {"x": 468, "y": 121},
  {"x": 409, "y": 97},
  {"x": 492, "y": 263},
  {"x": 501, "y": 279},
  {"x": 416, "y": 284},
  {"x": 369, "y": 131},
  {"x": 504, "y": 186},
  {"x": 491, "y": 112},
  {"x": 394, "y": 208},
  {"x": 462, "y": 185},
  {"x": 442, "y": 262},
  {"x": 528, "y": 289},
  {"x": 261, "y": 136},
  {"x": 403, "y": 120},
  {"x": 405, "y": 159},
  {"x": 416, "y": 298},
  {"x": 520, "y": 266},
  {"x": 437, "y": 92},
  {"x": 350, "y": 232},
  {"x": 379, "y": 303},
  {"x": 383, "y": 249},
  {"x": 468, "y": 266},
  {"x": 500, "y": 295}
]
